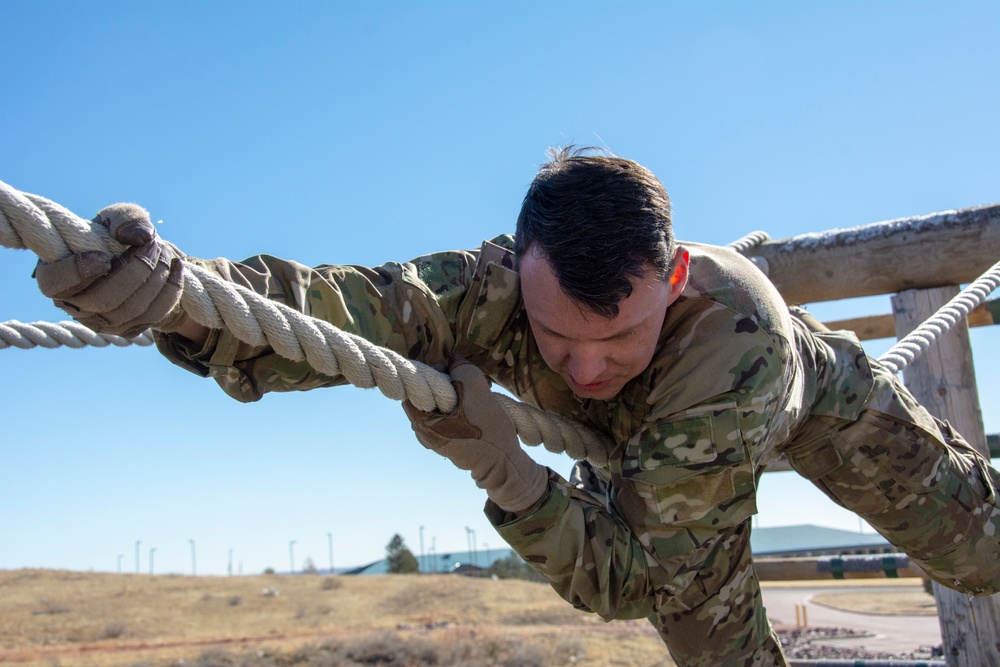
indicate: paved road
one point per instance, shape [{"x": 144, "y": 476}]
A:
[{"x": 892, "y": 633}]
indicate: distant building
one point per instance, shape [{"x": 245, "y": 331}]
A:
[
  {"x": 443, "y": 563},
  {"x": 809, "y": 540},
  {"x": 779, "y": 541}
]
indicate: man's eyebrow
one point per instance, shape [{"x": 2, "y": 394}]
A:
[{"x": 620, "y": 334}]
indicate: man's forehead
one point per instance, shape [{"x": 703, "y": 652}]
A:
[{"x": 549, "y": 306}]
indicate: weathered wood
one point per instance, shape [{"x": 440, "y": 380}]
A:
[
  {"x": 943, "y": 380},
  {"x": 813, "y": 568},
  {"x": 948, "y": 248},
  {"x": 874, "y": 327}
]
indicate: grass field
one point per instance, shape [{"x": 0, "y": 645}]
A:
[
  {"x": 60, "y": 619},
  {"x": 89, "y": 619}
]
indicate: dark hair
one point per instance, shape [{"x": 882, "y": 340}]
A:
[{"x": 599, "y": 220}]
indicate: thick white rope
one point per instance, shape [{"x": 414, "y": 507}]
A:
[
  {"x": 52, "y": 232},
  {"x": 917, "y": 341},
  {"x": 749, "y": 242},
  {"x": 70, "y": 333}
]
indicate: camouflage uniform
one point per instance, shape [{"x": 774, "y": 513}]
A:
[{"x": 735, "y": 380}]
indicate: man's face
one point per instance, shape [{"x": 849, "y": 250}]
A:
[{"x": 596, "y": 355}]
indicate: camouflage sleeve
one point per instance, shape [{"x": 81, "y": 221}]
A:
[
  {"x": 410, "y": 308},
  {"x": 588, "y": 555}
]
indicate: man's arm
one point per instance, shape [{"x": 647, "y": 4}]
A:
[{"x": 410, "y": 308}]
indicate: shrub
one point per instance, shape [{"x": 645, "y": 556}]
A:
[
  {"x": 113, "y": 631},
  {"x": 51, "y": 607},
  {"x": 514, "y": 567}
]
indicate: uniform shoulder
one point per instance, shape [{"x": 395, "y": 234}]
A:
[
  {"x": 505, "y": 241},
  {"x": 731, "y": 280}
]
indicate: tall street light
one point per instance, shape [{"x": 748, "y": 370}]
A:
[
  {"x": 291, "y": 555},
  {"x": 194, "y": 563},
  {"x": 329, "y": 542},
  {"x": 152, "y": 551},
  {"x": 120, "y": 557},
  {"x": 423, "y": 561}
]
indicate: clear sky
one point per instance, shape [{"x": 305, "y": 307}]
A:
[{"x": 363, "y": 132}]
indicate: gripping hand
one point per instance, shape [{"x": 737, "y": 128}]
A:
[
  {"x": 478, "y": 436},
  {"x": 124, "y": 295}
]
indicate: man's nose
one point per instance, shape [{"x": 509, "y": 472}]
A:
[{"x": 586, "y": 365}]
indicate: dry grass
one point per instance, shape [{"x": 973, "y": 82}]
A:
[
  {"x": 896, "y": 602},
  {"x": 114, "y": 620}
]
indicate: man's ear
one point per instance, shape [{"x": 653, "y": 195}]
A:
[{"x": 679, "y": 278}]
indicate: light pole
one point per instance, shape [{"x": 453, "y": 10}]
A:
[
  {"x": 194, "y": 563},
  {"x": 152, "y": 551},
  {"x": 137, "y": 543},
  {"x": 423, "y": 561},
  {"x": 120, "y": 557},
  {"x": 291, "y": 555},
  {"x": 329, "y": 539}
]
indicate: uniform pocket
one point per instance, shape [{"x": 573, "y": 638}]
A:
[
  {"x": 693, "y": 469},
  {"x": 498, "y": 297}
]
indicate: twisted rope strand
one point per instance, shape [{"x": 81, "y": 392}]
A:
[
  {"x": 70, "y": 333},
  {"x": 50, "y": 231},
  {"x": 749, "y": 242},
  {"x": 916, "y": 342}
]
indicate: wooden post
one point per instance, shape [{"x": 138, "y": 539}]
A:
[{"x": 944, "y": 381}]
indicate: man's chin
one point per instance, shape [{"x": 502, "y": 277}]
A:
[{"x": 600, "y": 391}]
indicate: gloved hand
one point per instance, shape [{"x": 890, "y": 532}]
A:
[
  {"x": 122, "y": 295},
  {"x": 478, "y": 436}
]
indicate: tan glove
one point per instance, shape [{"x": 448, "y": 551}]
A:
[
  {"x": 121, "y": 295},
  {"x": 478, "y": 436}
]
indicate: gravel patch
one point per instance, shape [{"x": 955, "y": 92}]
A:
[{"x": 814, "y": 642}]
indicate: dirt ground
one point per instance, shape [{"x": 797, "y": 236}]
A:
[{"x": 901, "y": 602}]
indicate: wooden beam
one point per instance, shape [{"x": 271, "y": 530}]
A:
[
  {"x": 948, "y": 248},
  {"x": 874, "y": 327},
  {"x": 943, "y": 380},
  {"x": 810, "y": 568}
]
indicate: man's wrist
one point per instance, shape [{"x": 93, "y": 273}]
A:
[
  {"x": 524, "y": 492},
  {"x": 191, "y": 330}
]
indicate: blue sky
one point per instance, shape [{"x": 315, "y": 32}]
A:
[{"x": 363, "y": 132}]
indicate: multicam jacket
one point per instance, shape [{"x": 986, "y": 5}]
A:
[{"x": 732, "y": 376}]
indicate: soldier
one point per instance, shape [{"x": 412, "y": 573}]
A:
[{"x": 684, "y": 355}]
